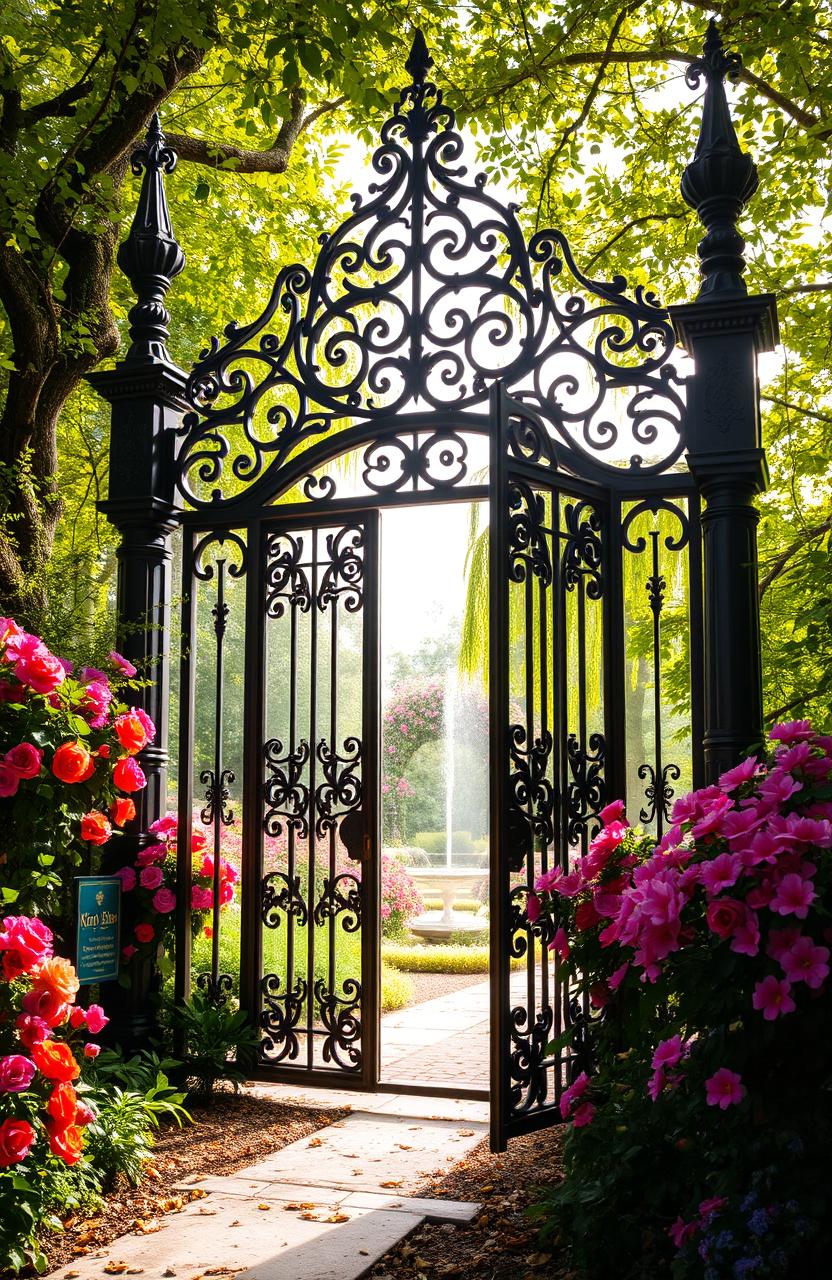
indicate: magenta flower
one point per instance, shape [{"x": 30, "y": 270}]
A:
[
  {"x": 615, "y": 979},
  {"x": 724, "y": 1089},
  {"x": 681, "y": 1231},
  {"x": 721, "y": 873},
  {"x": 532, "y": 908},
  {"x": 201, "y": 899},
  {"x": 95, "y": 1018},
  {"x": 806, "y": 962},
  {"x": 741, "y": 773},
  {"x": 712, "y": 818},
  {"x": 151, "y": 853},
  {"x": 164, "y": 901},
  {"x": 16, "y": 1073},
  {"x": 773, "y": 997},
  {"x": 708, "y": 1208},
  {"x": 584, "y": 1115},
  {"x": 127, "y": 876},
  {"x": 571, "y": 1095},
  {"x": 151, "y": 877},
  {"x": 794, "y": 896},
  {"x": 791, "y": 731},
  {"x": 165, "y": 827},
  {"x": 124, "y": 666},
  {"x": 669, "y": 1053},
  {"x": 780, "y": 941},
  {"x": 613, "y": 812}
]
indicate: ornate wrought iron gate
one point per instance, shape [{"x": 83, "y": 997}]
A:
[{"x": 446, "y": 359}]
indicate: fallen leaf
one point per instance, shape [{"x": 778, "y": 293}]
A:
[
  {"x": 403, "y": 1146},
  {"x": 198, "y": 1193},
  {"x": 392, "y": 1182},
  {"x": 338, "y": 1217},
  {"x": 538, "y": 1259},
  {"x": 357, "y": 1173},
  {"x": 264, "y": 1206},
  {"x": 115, "y": 1268},
  {"x": 70, "y": 1275},
  {"x": 235, "y": 1223},
  {"x": 466, "y": 1133},
  {"x": 135, "y": 1271},
  {"x": 170, "y": 1272},
  {"x": 314, "y": 1142},
  {"x": 308, "y": 1216}
]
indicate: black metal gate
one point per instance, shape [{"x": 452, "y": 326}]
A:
[{"x": 432, "y": 354}]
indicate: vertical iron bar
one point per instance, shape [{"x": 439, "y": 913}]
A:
[
  {"x": 184, "y": 877},
  {"x": 654, "y": 588},
  {"x": 529, "y": 646},
  {"x": 251, "y": 939},
  {"x": 220, "y": 616},
  {"x": 333, "y": 740},
  {"x": 311, "y": 877},
  {"x": 292, "y": 833},
  {"x": 697, "y": 674},
  {"x": 614, "y": 677}
]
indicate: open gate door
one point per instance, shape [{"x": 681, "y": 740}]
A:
[
  {"x": 312, "y": 920},
  {"x": 549, "y": 668}
]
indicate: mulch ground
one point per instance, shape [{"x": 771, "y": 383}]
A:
[
  {"x": 236, "y": 1131},
  {"x": 501, "y": 1243}
]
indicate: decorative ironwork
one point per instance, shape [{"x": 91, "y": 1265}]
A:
[
  {"x": 286, "y": 579},
  {"x": 217, "y": 989},
  {"x": 529, "y": 1059},
  {"x": 532, "y": 794},
  {"x": 341, "y": 791},
  {"x": 658, "y": 795},
  {"x": 415, "y": 462},
  {"x": 285, "y": 795},
  {"x": 281, "y": 897},
  {"x": 341, "y": 1018},
  {"x": 586, "y": 792},
  {"x": 582, "y": 556},
  {"x": 280, "y": 1018},
  {"x": 343, "y": 576},
  {"x": 421, "y": 298},
  {"x": 528, "y": 534},
  {"x": 340, "y": 898},
  {"x": 217, "y": 796}
]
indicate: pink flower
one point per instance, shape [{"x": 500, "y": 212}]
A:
[
  {"x": 31, "y": 1029},
  {"x": 571, "y": 1095},
  {"x": 613, "y": 812},
  {"x": 129, "y": 951},
  {"x": 669, "y": 1053},
  {"x": 791, "y": 731},
  {"x": 25, "y": 759},
  {"x": 741, "y": 773},
  {"x": 151, "y": 853},
  {"x": 656, "y": 1083},
  {"x": 616, "y": 978},
  {"x": 773, "y": 997},
  {"x": 560, "y": 943},
  {"x": 712, "y": 818},
  {"x": 532, "y": 908},
  {"x": 127, "y": 876},
  {"x": 151, "y": 877},
  {"x": 794, "y": 896},
  {"x": 42, "y": 671},
  {"x": 166, "y": 826},
  {"x": 778, "y": 788},
  {"x": 25, "y": 941},
  {"x": 794, "y": 757},
  {"x": 780, "y": 941},
  {"x": 96, "y": 702},
  {"x": 128, "y": 775},
  {"x": 96, "y": 1019},
  {"x": 746, "y": 937},
  {"x": 806, "y": 962},
  {"x": 724, "y": 1089},
  {"x": 725, "y": 915},
  {"x": 201, "y": 899},
  {"x": 708, "y": 1208},
  {"x": 92, "y": 1050},
  {"x": 16, "y": 1073},
  {"x": 164, "y": 901},
  {"x": 9, "y": 780},
  {"x": 681, "y": 1231},
  {"x": 122, "y": 664},
  {"x": 721, "y": 873},
  {"x": 584, "y": 1115}
]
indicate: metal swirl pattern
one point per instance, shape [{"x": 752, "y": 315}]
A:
[{"x": 424, "y": 295}]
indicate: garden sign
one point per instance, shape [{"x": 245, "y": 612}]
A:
[{"x": 98, "y": 928}]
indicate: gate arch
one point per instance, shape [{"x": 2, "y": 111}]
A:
[{"x": 453, "y": 361}]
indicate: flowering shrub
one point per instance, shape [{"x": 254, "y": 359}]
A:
[
  {"x": 43, "y": 1112},
  {"x": 703, "y": 1135},
  {"x": 414, "y": 715},
  {"x": 68, "y": 749},
  {"x": 150, "y": 882},
  {"x": 400, "y": 899}
]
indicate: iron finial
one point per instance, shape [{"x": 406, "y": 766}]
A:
[
  {"x": 419, "y": 61},
  {"x": 150, "y": 256},
  {"x": 721, "y": 178}
]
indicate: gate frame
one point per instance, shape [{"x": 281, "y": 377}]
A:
[{"x": 724, "y": 330}]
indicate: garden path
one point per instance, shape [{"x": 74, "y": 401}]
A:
[{"x": 323, "y": 1208}]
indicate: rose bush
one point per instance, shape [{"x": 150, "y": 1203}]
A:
[
  {"x": 149, "y": 883},
  {"x": 67, "y": 749},
  {"x": 701, "y": 1137},
  {"x": 44, "y": 1039}
]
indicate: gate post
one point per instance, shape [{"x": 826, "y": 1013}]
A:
[
  {"x": 724, "y": 330},
  {"x": 146, "y": 392}
]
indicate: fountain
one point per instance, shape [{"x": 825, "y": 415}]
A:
[{"x": 449, "y": 882}]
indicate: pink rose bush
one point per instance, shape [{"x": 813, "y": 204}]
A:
[
  {"x": 149, "y": 884},
  {"x": 704, "y": 960},
  {"x": 63, "y": 765}
]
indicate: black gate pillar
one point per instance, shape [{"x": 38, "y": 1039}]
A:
[
  {"x": 724, "y": 330},
  {"x": 146, "y": 391}
]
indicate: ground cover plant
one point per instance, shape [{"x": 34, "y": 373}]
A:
[{"x": 701, "y": 1137}]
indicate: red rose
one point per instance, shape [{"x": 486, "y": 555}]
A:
[
  {"x": 25, "y": 942},
  {"x": 25, "y": 759},
  {"x": 72, "y": 763},
  {"x": 144, "y": 932},
  {"x": 127, "y": 775},
  {"x": 16, "y": 1139},
  {"x": 586, "y": 915},
  {"x": 95, "y": 828},
  {"x": 55, "y": 1060},
  {"x": 726, "y": 915},
  {"x": 62, "y": 1104},
  {"x": 43, "y": 672},
  {"x": 122, "y": 810},
  {"x": 9, "y": 780},
  {"x": 104, "y": 751},
  {"x": 130, "y": 732},
  {"x": 45, "y": 1004},
  {"x": 65, "y": 1142}
]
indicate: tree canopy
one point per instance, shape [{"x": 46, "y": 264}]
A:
[{"x": 582, "y": 107}]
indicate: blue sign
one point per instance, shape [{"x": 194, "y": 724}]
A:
[{"x": 97, "y": 940}]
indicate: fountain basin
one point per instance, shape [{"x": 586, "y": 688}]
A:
[{"x": 449, "y": 883}]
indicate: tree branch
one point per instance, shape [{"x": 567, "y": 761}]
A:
[
  {"x": 771, "y": 716},
  {"x": 628, "y": 226},
  {"x": 807, "y": 536},
  {"x": 798, "y": 408}
]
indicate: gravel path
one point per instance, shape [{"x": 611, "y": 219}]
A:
[{"x": 428, "y": 986}]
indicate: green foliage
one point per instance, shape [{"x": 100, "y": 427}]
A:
[
  {"x": 120, "y": 1138},
  {"x": 437, "y": 958},
  {"x": 396, "y": 988},
  {"x": 34, "y": 1200},
  {"x": 218, "y": 1040}
]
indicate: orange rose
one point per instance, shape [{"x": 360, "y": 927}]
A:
[
  {"x": 65, "y": 1141},
  {"x": 72, "y": 763},
  {"x": 55, "y": 1060},
  {"x": 95, "y": 828},
  {"x": 130, "y": 732},
  {"x": 57, "y": 976},
  {"x": 122, "y": 810},
  {"x": 62, "y": 1104}
]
